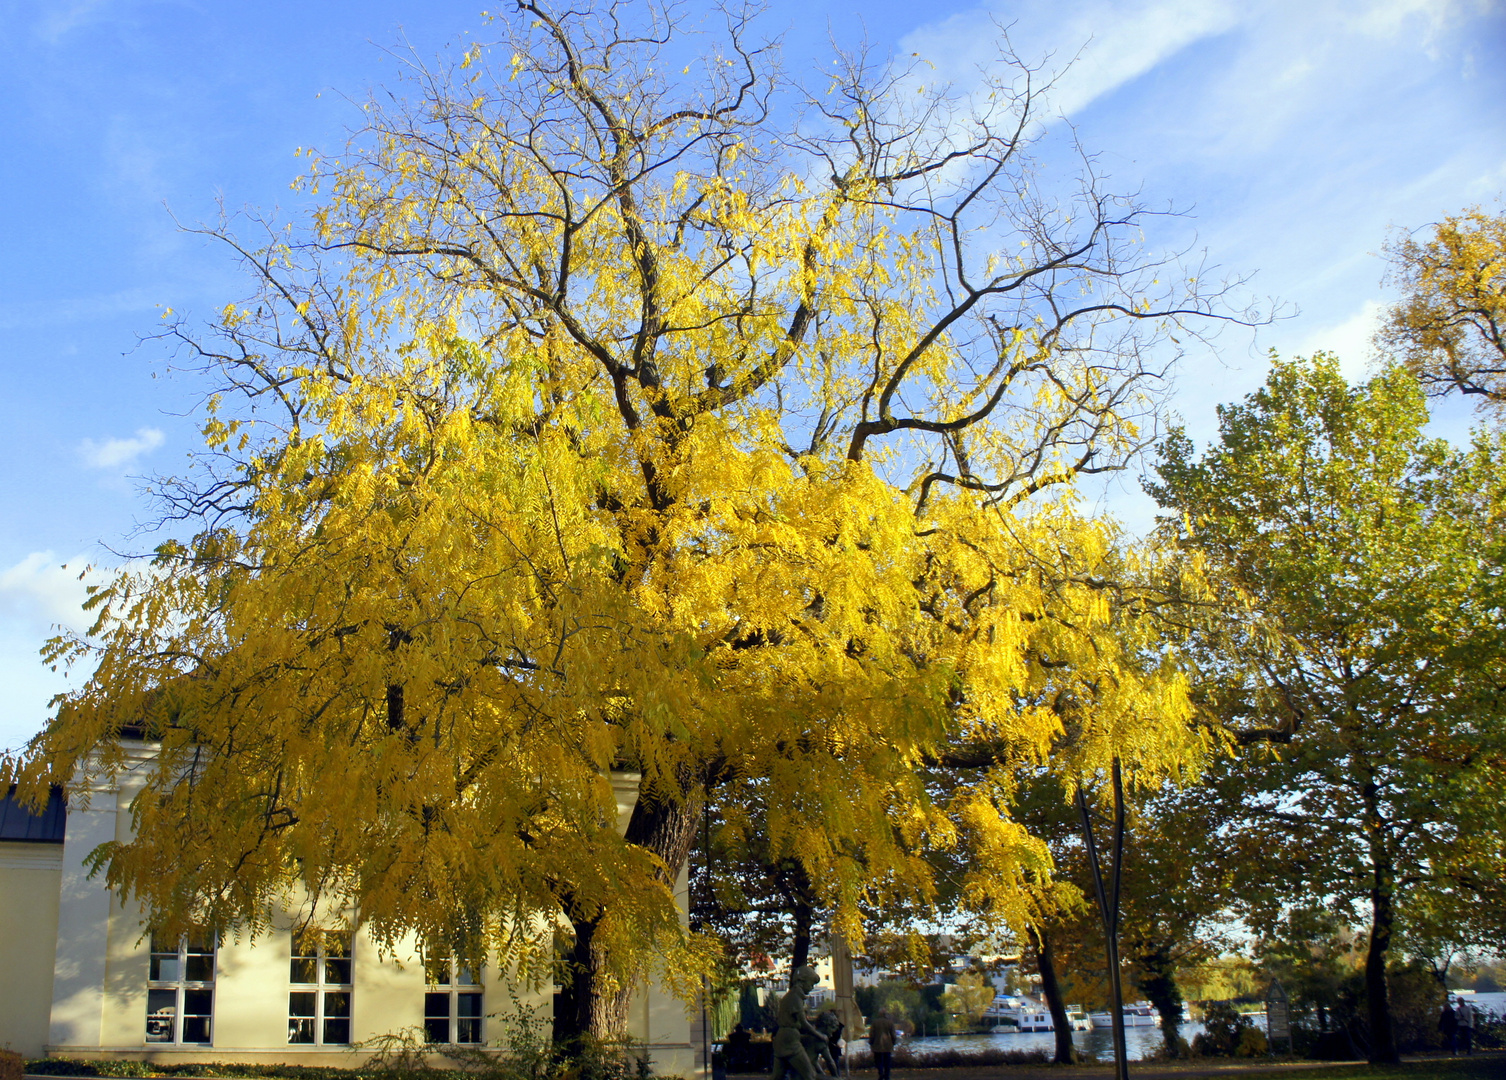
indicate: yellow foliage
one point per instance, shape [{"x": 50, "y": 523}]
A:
[{"x": 585, "y": 466}]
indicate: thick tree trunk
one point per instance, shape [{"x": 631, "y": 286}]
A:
[
  {"x": 587, "y": 1007},
  {"x": 582, "y": 1012},
  {"x": 1045, "y": 966},
  {"x": 1159, "y": 984},
  {"x": 800, "y": 954},
  {"x": 1377, "y": 993}
]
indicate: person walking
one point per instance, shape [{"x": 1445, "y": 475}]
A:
[
  {"x": 1448, "y": 1027},
  {"x": 1466, "y": 1016},
  {"x": 881, "y": 1036}
]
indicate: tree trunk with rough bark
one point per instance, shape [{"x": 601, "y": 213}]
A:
[
  {"x": 1382, "y": 885},
  {"x": 1045, "y": 966},
  {"x": 588, "y": 1008},
  {"x": 1377, "y": 992},
  {"x": 582, "y": 1012},
  {"x": 1158, "y": 982}
]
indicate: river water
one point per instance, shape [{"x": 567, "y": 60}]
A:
[{"x": 1139, "y": 1042}]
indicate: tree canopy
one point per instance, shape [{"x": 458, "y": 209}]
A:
[
  {"x": 613, "y": 417},
  {"x": 1449, "y": 328},
  {"x": 1361, "y": 653}
]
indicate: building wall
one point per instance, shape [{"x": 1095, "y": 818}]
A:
[
  {"x": 29, "y": 878},
  {"x": 76, "y": 965}
]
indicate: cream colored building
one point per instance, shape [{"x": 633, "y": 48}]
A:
[{"x": 79, "y": 979}]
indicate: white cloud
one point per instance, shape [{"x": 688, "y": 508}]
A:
[
  {"x": 1112, "y": 42},
  {"x": 40, "y": 591},
  {"x": 1349, "y": 340},
  {"x": 119, "y": 453}
]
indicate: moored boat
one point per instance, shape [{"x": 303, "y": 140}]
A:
[
  {"x": 1012, "y": 1014},
  {"x": 1140, "y": 1014}
]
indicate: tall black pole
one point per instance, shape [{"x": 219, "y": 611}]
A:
[
  {"x": 1108, "y": 910},
  {"x": 709, "y": 899}
]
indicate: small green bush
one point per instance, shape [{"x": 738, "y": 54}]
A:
[
  {"x": 12, "y": 1065},
  {"x": 1227, "y": 1034}
]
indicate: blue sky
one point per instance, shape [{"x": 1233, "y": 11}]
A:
[{"x": 1293, "y": 134}]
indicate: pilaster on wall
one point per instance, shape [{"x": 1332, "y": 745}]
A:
[
  {"x": 98, "y": 812},
  {"x": 29, "y": 874}
]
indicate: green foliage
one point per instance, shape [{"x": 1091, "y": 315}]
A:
[
  {"x": 1227, "y": 1033},
  {"x": 1358, "y": 655},
  {"x": 916, "y": 1010},
  {"x": 1483, "y": 977},
  {"x": 1222, "y": 978},
  {"x": 963, "y": 1005},
  {"x": 12, "y": 1066},
  {"x": 1320, "y": 962}
]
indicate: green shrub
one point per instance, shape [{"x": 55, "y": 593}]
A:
[
  {"x": 12, "y": 1065},
  {"x": 1226, "y": 1033}
]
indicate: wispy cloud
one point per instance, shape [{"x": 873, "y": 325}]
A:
[
  {"x": 40, "y": 591},
  {"x": 57, "y": 20},
  {"x": 1351, "y": 340},
  {"x": 1094, "y": 46},
  {"x": 70, "y": 311},
  {"x": 37, "y": 594},
  {"x": 115, "y": 454}
]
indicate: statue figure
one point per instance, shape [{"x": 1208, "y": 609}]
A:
[
  {"x": 789, "y": 1053},
  {"x": 826, "y": 1050}
]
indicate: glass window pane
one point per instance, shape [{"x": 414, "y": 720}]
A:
[
  {"x": 161, "y": 1014},
  {"x": 306, "y": 944},
  {"x": 337, "y": 1003},
  {"x": 201, "y": 945},
  {"x": 164, "y": 968},
  {"x": 196, "y": 1029},
  {"x": 467, "y": 974},
  {"x": 302, "y": 1003},
  {"x": 469, "y": 1005},
  {"x": 198, "y": 1002},
  {"x": 337, "y": 971},
  {"x": 437, "y": 972},
  {"x": 300, "y": 1031},
  {"x": 467, "y": 1031},
  {"x": 437, "y": 1029},
  {"x": 337, "y": 945},
  {"x": 199, "y": 968},
  {"x": 336, "y": 1031},
  {"x": 437, "y": 1005},
  {"x": 304, "y": 970}
]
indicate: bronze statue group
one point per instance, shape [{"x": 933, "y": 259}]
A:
[{"x": 810, "y": 1048}]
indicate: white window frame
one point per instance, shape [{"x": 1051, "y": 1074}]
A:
[
  {"x": 180, "y": 987},
  {"x": 454, "y": 979},
  {"x": 324, "y": 959}
]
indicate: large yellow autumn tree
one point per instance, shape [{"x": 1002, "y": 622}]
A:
[{"x": 626, "y": 408}]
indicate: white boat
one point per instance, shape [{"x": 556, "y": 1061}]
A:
[
  {"x": 1012, "y": 1014},
  {"x": 1078, "y": 1018},
  {"x": 1140, "y": 1014}
]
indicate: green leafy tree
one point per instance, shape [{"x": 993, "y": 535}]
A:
[{"x": 1362, "y": 661}]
